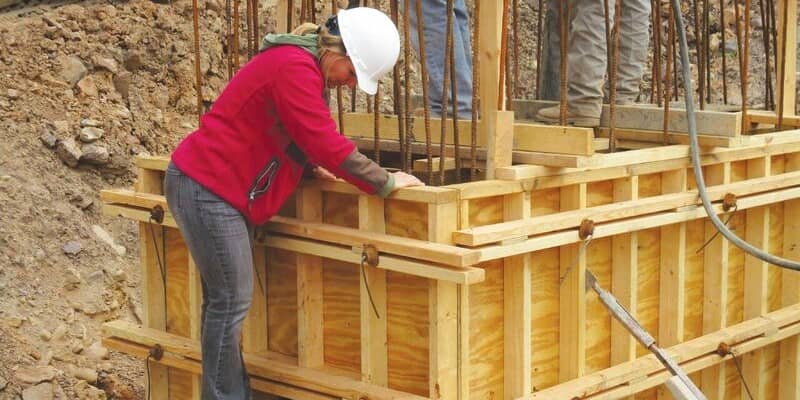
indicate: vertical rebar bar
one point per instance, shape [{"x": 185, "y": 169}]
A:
[
  {"x": 476, "y": 65},
  {"x": 722, "y": 52},
  {"x": 376, "y": 143},
  {"x": 668, "y": 73},
  {"x": 768, "y": 96},
  {"x": 397, "y": 86},
  {"x": 236, "y": 29},
  {"x": 454, "y": 103},
  {"x": 698, "y": 29},
  {"x": 407, "y": 80},
  {"x": 614, "y": 36},
  {"x": 515, "y": 30},
  {"x": 539, "y": 18},
  {"x": 447, "y": 72},
  {"x": 745, "y": 65},
  {"x": 198, "y": 73},
  {"x": 502, "y": 84},
  {"x": 657, "y": 28},
  {"x": 563, "y": 30},
  {"x": 228, "y": 40},
  {"x": 426, "y": 106},
  {"x": 707, "y": 47},
  {"x": 782, "y": 77}
]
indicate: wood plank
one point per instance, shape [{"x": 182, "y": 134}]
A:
[
  {"x": 255, "y": 337},
  {"x": 151, "y": 248},
  {"x": 771, "y": 118},
  {"x": 258, "y": 365},
  {"x": 499, "y": 140},
  {"x": 195, "y": 320},
  {"x": 517, "y": 308},
  {"x": 657, "y": 138},
  {"x": 374, "y": 355},
  {"x": 310, "y": 332},
  {"x": 624, "y": 275},
  {"x": 660, "y": 159},
  {"x": 789, "y": 50},
  {"x": 527, "y": 136},
  {"x": 693, "y": 355},
  {"x": 649, "y": 117},
  {"x": 789, "y": 378},
  {"x": 193, "y": 366},
  {"x": 176, "y": 264},
  {"x": 550, "y": 240},
  {"x": 715, "y": 286},
  {"x": 572, "y": 330},
  {"x": 412, "y": 248},
  {"x": 445, "y": 358},
  {"x": 756, "y": 277},
  {"x": 479, "y": 235},
  {"x": 672, "y": 304},
  {"x": 489, "y": 41}
]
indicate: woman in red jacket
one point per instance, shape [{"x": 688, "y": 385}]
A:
[{"x": 248, "y": 155}]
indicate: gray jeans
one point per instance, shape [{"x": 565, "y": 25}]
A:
[
  {"x": 220, "y": 242},
  {"x": 434, "y": 19},
  {"x": 587, "y": 57}
]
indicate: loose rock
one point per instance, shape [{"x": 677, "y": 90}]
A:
[
  {"x": 73, "y": 70},
  {"x": 68, "y": 151},
  {"x": 12, "y": 94},
  {"x": 42, "y": 391},
  {"x": 96, "y": 352},
  {"x": 72, "y": 279},
  {"x": 85, "y": 391},
  {"x": 3, "y": 383},
  {"x": 72, "y": 248},
  {"x": 60, "y": 332},
  {"x": 45, "y": 335},
  {"x": 106, "y": 63},
  {"x": 88, "y": 122},
  {"x": 94, "y": 154},
  {"x": 86, "y": 374},
  {"x": 106, "y": 238},
  {"x": 90, "y": 134},
  {"x": 48, "y": 138},
  {"x": 35, "y": 374}
]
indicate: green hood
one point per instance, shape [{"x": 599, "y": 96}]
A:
[{"x": 308, "y": 42}]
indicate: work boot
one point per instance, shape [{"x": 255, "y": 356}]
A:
[{"x": 553, "y": 114}]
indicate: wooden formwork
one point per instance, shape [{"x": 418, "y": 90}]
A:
[{"x": 479, "y": 289}]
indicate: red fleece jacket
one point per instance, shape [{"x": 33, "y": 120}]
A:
[{"x": 252, "y": 146}]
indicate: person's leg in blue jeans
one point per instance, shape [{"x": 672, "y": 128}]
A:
[
  {"x": 220, "y": 242},
  {"x": 434, "y": 19}
]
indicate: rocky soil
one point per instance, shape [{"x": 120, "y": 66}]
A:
[{"x": 84, "y": 88}]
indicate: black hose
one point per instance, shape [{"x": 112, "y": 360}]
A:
[{"x": 695, "y": 153}]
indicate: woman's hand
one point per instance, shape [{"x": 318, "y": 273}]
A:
[
  {"x": 402, "y": 179},
  {"x": 322, "y": 173}
]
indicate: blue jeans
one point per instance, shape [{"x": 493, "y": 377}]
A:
[
  {"x": 220, "y": 241},
  {"x": 434, "y": 19}
]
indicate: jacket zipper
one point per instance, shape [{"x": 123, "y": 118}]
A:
[{"x": 258, "y": 189}]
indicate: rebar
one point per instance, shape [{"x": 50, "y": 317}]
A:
[
  {"x": 228, "y": 40},
  {"x": 563, "y": 29},
  {"x": 613, "y": 72},
  {"x": 454, "y": 103},
  {"x": 198, "y": 74},
  {"x": 502, "y": 84},
  {"x": 376, "y": 143},
  {"x": 426, "y": 106},
  {"x": 476, "y": 65},
  {"x": 539, "y": 18},
  {"x": 236, "y": 44},
  {"x": 768, "y": 95},
  {"x": 407, "y": 80},
  {"x": 698, "y": 28},
  {"x": 396, "y": 88},
  {"x": 447, "y": 72},
  {"x": 722, "y": 52},
  {"x": 657, "y": 28},
  {"x": 668, "y": 74},
  {"x": 707, "y": 48},
  {"x": 515, "y": 37},
  {"x": 782, "y": 77}
]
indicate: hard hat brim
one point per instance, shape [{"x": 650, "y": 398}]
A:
[{"x": 365, "y": 83}]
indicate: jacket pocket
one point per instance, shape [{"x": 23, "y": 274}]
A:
[{"x": 263, "y": 180}]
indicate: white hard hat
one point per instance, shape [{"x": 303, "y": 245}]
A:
[{"x": 372, "y": 42}]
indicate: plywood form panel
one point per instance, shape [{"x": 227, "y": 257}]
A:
[
  {"x": 282, "y": 301},
  {"x": 178, "y": 321},
  {"x": 486, "y": 211},
  {"x": 486, "y": 334},
  {"x": 407, "y": 219},
  {"x": 693, "y": 317},
  {"x": 545, "y": 318},
  {"x": 340, "y": 209},
  {"x": 545, "y": 201},
  {"x": 407, "y": 332},
  {"x": 649, "y": 279},
  {"x": 341, "y": 315},
  {"x": 598, "y": 260}
]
